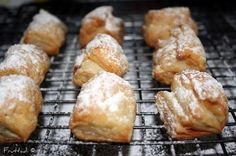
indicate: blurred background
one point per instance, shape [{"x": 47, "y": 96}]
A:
[{"x": 135, "y": 3}]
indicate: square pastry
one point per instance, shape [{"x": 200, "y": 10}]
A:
[{"x": 105, "y": 110}]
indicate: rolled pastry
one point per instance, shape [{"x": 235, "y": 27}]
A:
[
  {"x": 100, "y": 20},
  {"x": 105, "y": 110},
  {"x": 183, "y": 50},
  {"x": 20, "y": 104},
  {"x": 196, "y": 106},
  {"x": 158, "y": 23},
  {"x": 46, "y": 31},
  {"x": 25, "y": 59},
  {"x": 103, "y": 53}
]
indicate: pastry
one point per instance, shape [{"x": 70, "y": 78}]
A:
[
  {"x": 100, "y": 20},
  {"x": 158, "y": 23},
  {"x": 25, "y": 59},
  {"x": 103, "y": 53},
  {"x": 195, "y": 107},
  {"x": 105, "y": 110},
  {"x": 45, "y": 31},
  {"x": 20, "y": 104},
  {"x": 183, "y": 50}
]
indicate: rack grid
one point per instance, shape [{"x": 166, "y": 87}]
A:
[{"x": 217, "y": 31}]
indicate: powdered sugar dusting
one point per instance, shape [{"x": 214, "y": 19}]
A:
[
  {"x": 173, "y": 10},
  {"x": 16, "y": 87},
  {"x": 187, "y": 41},
  {"x": 101, "y": 12},
  {"x": 79, "y": 59},
  {"x": 104, "y": 13},
  {"x": 20, "y": 55},
  {"x": 176, "y": 10},
  {"x": 206, "y": 87},
  {"x": 44, "y": 19},
  {"x": 165, "y": 55},
  {"x": 100, "y": 90},
  {"x": 25, "y": 59},
  {"x": 183, "y": 109},
  {"x": 183, "y": 50},
  {"x": 176, "y": 105},
  {"x": 112, "y": 49},
  {"x": 114, "y": 102},
  {"x": 166, "y": 114},
  {"x": 104, "y": 41},
  {"x": 180, "y": 15}
]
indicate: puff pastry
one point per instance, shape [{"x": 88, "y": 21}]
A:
[
  {"x": 25, "y": 59},
  {"x": 103, "y": 53},
  {"x": 105, "y": 110},
  {"x": 46, "y": 31},
  {"x": 197, "y": 105},
  {"x": 183, "y": 50},
  {"x": 158, "y": 23},
  {"x": 20, "y": 104},
  {"x": 100, "y": 20}
]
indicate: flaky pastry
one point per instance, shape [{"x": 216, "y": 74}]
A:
[
  {"x": 20, "y": 104},
  {"x": 25, "y": 59},
  {"x": 46, "y": 31},
  {"x": 196, "y": 106},
  {"x": 103, "y": 53},
  {"x": 100, "y": 20},
  {"x": 158, "y": 23},
  {"x": 105, "y": 110},
  {"x": 183, "y": 50}
]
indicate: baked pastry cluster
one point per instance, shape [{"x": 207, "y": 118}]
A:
[
  {"x": 46, "y": 31},
  {"x": 158, "y": 23},
  {"x": 172, "y": 32},
  {"x": 100, "y": 20},
  {"x": 196, "y": 106},
  {"x": 22, "y": 71},
  {"x": 105, "y": 109},
  {"x": 103, "y": 53},
  {"x": 183, "y": 50},
  {"x": 25, "y": 59},
  {"x": 20, "y": 104},
  {"x": 98, "y": 70}
]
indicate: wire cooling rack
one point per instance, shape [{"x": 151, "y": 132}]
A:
[{"x": 53, "y": 137}]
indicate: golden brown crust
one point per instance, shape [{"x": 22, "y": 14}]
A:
[
  {"x": 102, "y": 53},
  {"x": 100, "y": 20},
  {"x": 20, "y": 104},
  {"x": 158, "y": 23},
  {"x": 183, "y": 50},
  {"x": 47, "y": 32},
  {"x": 84, "y": 69},
  {"x": 197, "y": 105},
  {"x": 114, "y": 102},
  {"x": 25, "y": 59}
]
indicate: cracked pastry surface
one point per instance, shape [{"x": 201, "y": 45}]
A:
[
  {"x": 103, "y": 53},
  {"x": 20, "y": 104},
  {"x": 105, "y": 109},
  {"x": 101, "y": 20},
  {"x": 25, "y": 59},
  {"x": 46, "y": 31},
  {"x": 195, "y": 107},
  {"x": 183, "y": 50},
  {"x": 158, "y": 23}
]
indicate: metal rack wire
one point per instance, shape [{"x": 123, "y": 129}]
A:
[{"x": 52, "y": 136}]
